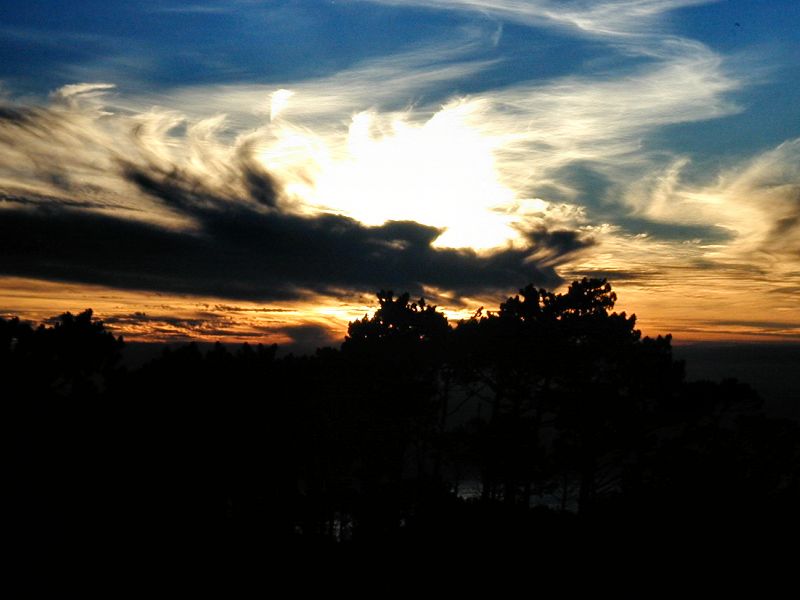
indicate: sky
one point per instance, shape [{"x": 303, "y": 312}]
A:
[{"x": 257, "y": 170}]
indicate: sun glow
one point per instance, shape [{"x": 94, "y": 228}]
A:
[{"x": 440, "y": 172}]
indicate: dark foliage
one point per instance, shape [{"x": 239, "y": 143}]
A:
[{"x": 544, "y": 421}]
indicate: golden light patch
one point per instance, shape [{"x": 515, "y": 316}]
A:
[
  {"x": 159, "y": 317},
  {"x": 440, "y": 172}
]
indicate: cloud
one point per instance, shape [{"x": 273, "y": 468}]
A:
[
  {"x": 758, "y": 201},
  {"x": 196, "y": 8},
  {"x": 306, "y": 338},
  {"x": 601, "y": 117},
  {"x": 241, "y": 253},
  {"x": 97, "y": 193},
  {"x": 96, "y": 203},
  {"x": 601, "y": 121},
  {"x": 421, "y": 77},
  {"x": 522, "y": 141},
  {"x": 322, "y": 138},
  {"x": 165, "y": 327},
  {"x": 68, "y": 93},
  {"x": 584, "y": 17},
  {"x": 747, "y": 213},
  {"x": 302, "y": 337},
  {"x": 78, "y": 151}
]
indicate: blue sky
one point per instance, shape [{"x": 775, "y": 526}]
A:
[
  {"x": 158, "y": 46},
  {"x": 653, "y": 141}
]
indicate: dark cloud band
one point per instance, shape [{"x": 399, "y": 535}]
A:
[{"x": 245, "y": 253}]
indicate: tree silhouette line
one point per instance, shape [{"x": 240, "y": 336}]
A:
[{"x": 546, "y": 419}]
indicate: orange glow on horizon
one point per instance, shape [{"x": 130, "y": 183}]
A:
[{"x": 141, "y": 316}]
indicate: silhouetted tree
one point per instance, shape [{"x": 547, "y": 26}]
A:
[
  {"x": 567, "y": 381},
  {"x": 397, "y": 356},
  {"x": 506, "y": 359},
  {"x": 576, "y": 411},
  {"x": 59, "y": 431}
]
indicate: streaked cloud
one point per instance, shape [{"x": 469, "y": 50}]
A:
[
  {"x": 757, "y": 201},
  {"x": 586, "y": 17}
]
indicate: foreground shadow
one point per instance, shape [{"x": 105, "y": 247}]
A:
[{"x": 548, "y": 422}]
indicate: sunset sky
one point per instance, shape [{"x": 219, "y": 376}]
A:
[{"x": 257, "y": 170}]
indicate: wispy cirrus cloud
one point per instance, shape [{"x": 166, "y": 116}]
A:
[
  {"x": 419, "y": 78},
  {"x": 734, "y": 268},
  {"x": 757, "y": 201},
  {"x": 616, "y": 18}
]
